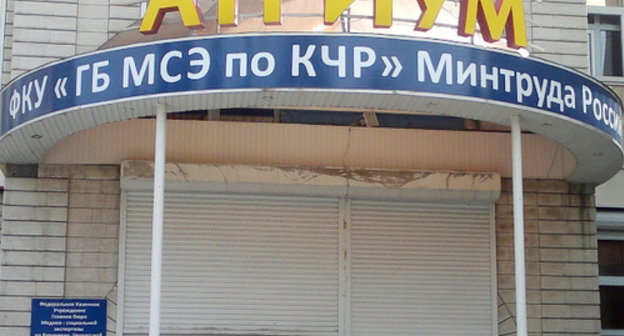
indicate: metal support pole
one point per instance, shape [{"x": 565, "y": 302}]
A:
[
  {"x": 518, "y": 215},
  {"x": 157, "y": 219}
]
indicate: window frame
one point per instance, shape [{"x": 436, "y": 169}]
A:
[
  {"x": 610, "y": 225},
  {"x": 591, "y": 38}
]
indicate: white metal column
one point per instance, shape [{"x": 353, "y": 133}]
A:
[
  {"x": 157, "y": 219},
  {"x": 518, "y": 214}
]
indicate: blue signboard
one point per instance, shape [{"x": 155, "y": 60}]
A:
[
  {"x": 68, "y": 317},
  {"x": 322, "y": 61}
]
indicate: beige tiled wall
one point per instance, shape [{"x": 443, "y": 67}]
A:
[
  {"x": 60, "y": 239},
  {"x": 558, "y": 31},
  {"x": 39, "y": 32},
  {"x": 561, "y": 259}
]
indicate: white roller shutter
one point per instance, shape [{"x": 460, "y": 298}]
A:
[
  {"x": 269, "y": 265},
  {"x": 420, "y": 269},
  {"x": 235, "y": 264}
]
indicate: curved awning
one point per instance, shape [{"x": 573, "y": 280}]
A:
[{"x": 321, "y": 71}]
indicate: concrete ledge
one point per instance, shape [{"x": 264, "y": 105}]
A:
[{"x": 430, "y": 186}]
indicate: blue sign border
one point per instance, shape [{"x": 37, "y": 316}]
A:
[
  {"x": 76, "y": 317},
  {"x": 310, "y": 61}
]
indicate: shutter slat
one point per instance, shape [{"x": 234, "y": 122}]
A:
[
  {"x": 268, "y": 265},
  {"x": 236, "y": 263},
  {"x": 420, "y": 269}
]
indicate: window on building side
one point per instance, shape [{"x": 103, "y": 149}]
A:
[
  {"x": 605, "y": 41},
  {"x": 611, "y": 271}
]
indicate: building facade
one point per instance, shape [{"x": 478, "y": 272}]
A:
[{"x": 337, "y": 200}]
